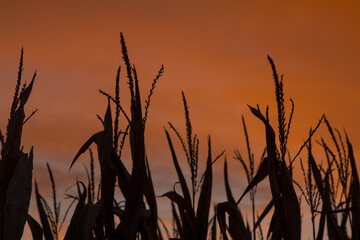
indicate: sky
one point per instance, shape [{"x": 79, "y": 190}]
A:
[{"x": 215, "y": 51}]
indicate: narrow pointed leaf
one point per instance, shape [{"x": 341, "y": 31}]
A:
[
  {"x": 149, "y": 193},
  {"x": 43, "y": 218},
  {"x": 26, "y": 94},
  {"x": 202, "y": 213},
  {"x": 260, "y": 175},
  {"x": 35, "y": 228},
  {"x": 355, "y": 193},
  {"x": 274, "y": 228},
  {"x": 123, "y": 176},
  {"x": 104, "y": 142},
  {"x": 227, "y": 185},
  {"x": 177, "y": 220},
  {"x": 84, "y": 148},
  {"x": 213, "y": 226},
  {"x": 321, "y": 227},
  {"x": 264, "y": 213},
  {"x": 291, "y": 205},
  {"x": 182, "y": 181}
]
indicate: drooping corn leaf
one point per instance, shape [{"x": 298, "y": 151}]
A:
[
  {"x": 237, "y": 228},
  {"x": 261, "y": 174},
  {"x": 177, "y": 198},
  {"x": 284, "y": 196},
  {"x": 85, "y": 147},
  {"x": 18, "y": 197},
  {"x": 187, "y": 229}
]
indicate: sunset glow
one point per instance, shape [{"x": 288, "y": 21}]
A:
[{"x": 214, "y": 51}]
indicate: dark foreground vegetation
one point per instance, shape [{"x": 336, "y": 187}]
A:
[{"x": 331, "y": 188}]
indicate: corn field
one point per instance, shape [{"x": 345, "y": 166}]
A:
[{"x": 331, "y": 189}]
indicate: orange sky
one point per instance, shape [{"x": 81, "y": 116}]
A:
[{"x": 213, "y": 50}]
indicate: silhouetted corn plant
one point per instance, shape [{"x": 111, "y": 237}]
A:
[
  {"x": 16, "y": 167},
  {"x": 135, "y": 218},
  {"x": 192, "y": 220},
  {"x": 285, "y": 222},
  {"x": 333, "y": 186},
  {"x": 249, "y": 171}
]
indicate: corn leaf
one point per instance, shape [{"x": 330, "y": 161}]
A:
[
  {"x": 123, "y": 176},
  {"x": 149, "y": 193},
  {"x": 182, "y": 180},
  {"x": 355, "y": 193},
  {"x": 321, "y": 227},
  {"x": 213, "y": 226},
  {"x": 227, "y": 185},
  {"x": 237, "y": 228},
  {"x": 18, "y": 197},
  {"x": 261, "y": 174},
  {"x": 177, "y": 220},
  {"x": 175, "y": 197},
  {"x": 275, "y": 231},
  {"x": 132, "y": 215},
  {"x": 35, "y": 228},
  {"x": 334, "y": 231},
  {"x": 202, "y": 213},
  {"x": 283, "y": 192},
  {"x": 184, "y": 188},
  {"x": 83, "y": 219},
  {"x": 26, "y": 93},
  {"x": 85, "y": 147},
  {"x": 291, "y": 205},
  {"x": 104, "y": 143},
  {"x": 43, "y": 217},
  {"x": 188, "y": 230},
  {"x": 264, "y": 213}
]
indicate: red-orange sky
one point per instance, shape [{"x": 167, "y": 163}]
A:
[{"x": 213, "y": 50}]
